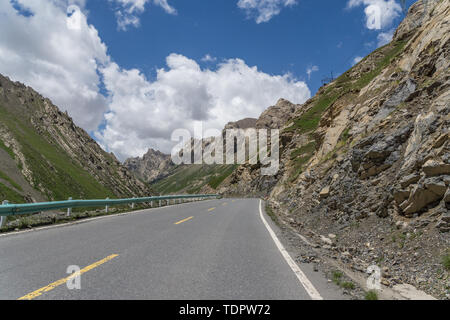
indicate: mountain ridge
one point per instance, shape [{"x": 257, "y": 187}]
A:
[{"x": 45, "y": 156}]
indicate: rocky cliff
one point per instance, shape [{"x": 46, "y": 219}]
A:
[
  {"x": 154, "y": 165},
  {"x": 45, "y": 156},
  {"x": 367, "y": 159}
]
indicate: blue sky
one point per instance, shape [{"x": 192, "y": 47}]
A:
[
  {"x": 326, "y": 34},
  {"x": 131, "y": 72}
]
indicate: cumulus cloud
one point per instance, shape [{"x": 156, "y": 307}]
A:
[
  {"x": 41, "y": 50},
  {"x": 264, "y": 10},
  {"x": 356, "y": 60},
  {"x": 55, "y": 51},
  {"x": 379, "y": 13},
  {"x": 144, "y": 113},
  {"x": 310, "y": 70},
  {"x": 209, "y": 58},
  {"x": 128, "y": 11},
  {"x": 385, "y": 37}
]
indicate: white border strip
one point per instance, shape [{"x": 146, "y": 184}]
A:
[{"x": 310, "y": 289}]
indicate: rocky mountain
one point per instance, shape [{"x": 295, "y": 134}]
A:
[
  {"x": 242, "y": 124},
  {"x": 195, "y": 178},
  {"x": 276, "y": 116},
  {"x": 154, "y": 165},
  {"x": 367, "y": 159},
  {"x": 45, "y": 156}
]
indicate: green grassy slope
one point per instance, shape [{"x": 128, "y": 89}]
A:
[
  {"x": 53, "y": 170},
  {"x": 192, "y": 178}
]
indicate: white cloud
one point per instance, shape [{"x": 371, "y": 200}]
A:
[
  {"x": 385, "y": 37},
  {"x": 61, "y": 63},
  {"x": 144, "y": 114},
  {"x": 264, "y": 10},
  {"x": 68, "y": 65},
  {"x": 310, "y": 70},
  {"x": 128, "y": 11},
  {"x": 165, "y": 5},
  {"x": 356, "y": 60},
  {"x": 379, "y": 13},
  {"x": 209, "y": 58}
]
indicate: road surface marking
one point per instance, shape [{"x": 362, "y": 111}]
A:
[
  {"x": 184, "y": 220},
  {"x": 108, "y": 216},
  {"x": 211, "y": 209},
  {"x": 224, "y": 204},
  {"x": 310, "y": 289},
  {"x": 233, "y": 200},
  {"x": 55, "y": 284}
]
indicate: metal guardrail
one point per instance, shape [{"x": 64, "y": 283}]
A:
[{"x": 7, "y": 209}]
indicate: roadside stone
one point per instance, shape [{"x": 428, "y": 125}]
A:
[
  {"x": 410, "y": 292},
  {"x": 325, "y": 192},
  {"x": 326, "y": 240}
]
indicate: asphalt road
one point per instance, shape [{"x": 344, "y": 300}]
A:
[{"x": 218, "y": 249}]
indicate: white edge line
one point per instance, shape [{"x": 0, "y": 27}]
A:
[
  {"x": 85, "y": 220},
  {"x": 310, "y": 289}
]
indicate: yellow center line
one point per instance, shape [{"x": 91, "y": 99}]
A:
[
  {"x": 184, "y": 220},
  {"x": 55, "y": 284},
  {"x": 225, "y": 204},
  {"x": 233, "y": 200},
  {"x": 211, "y": 209}
]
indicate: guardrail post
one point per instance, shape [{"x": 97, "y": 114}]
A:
[
  {"x": 160, "y": 203},
  {"x": 69, "y": 210},
  {"x": 132, "y": 204},
  {"x": 3, "y": 218},
  {"x": 107, "y": 206}
]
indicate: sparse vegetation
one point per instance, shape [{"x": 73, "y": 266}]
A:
[
  {"x": 301, "y": 156},
  {"x": 336, "y": 277},
  {"x": 348, "y": 285},
  {"x": 446, "y": 261},
  {"x": 271, "y": 214},
  {"x": 10, "y": 195},
  {"x": 8, "y": 179},
  {"x": 309, "y": 121},
  {"x": 371, "y": 295},
  {"x": 215, "y": 181},
  {"x": 53, "y": 170},
  {"x": 8, "y": 150},
  {"x": 192, "y": 178}
]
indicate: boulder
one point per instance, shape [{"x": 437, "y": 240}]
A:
[
  {"x": 409, "y": 179},
  {"x": 420, "y": 197},
  {"x": 436, "y": 186},
  {"x": 435, "y": 168}
]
